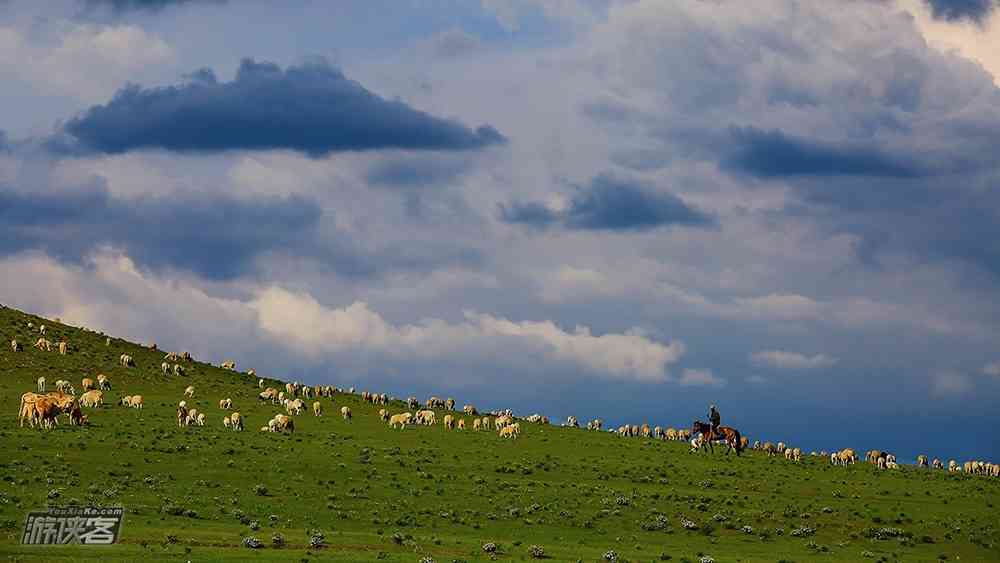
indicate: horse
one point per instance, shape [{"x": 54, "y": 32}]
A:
[{"x": 730, "y": 435}]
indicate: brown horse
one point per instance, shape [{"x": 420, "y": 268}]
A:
[{"x": 730, "y": 435}]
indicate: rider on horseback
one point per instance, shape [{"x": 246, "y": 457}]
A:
[{"x": 715, "y": 419}]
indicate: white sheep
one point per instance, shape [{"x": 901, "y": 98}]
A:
[
  {"x": 189, "y": 391},
  {"x": 41, "y": 384},
  {"x": 345, "y": 412},
  {"x": 317, "y": 409},
  {"x": 226, "y": 422},
  {"x": 165, "y": 368},
  {"x": 237, "y": 421}
]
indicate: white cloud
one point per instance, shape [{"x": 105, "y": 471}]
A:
[
  {"x": 950, "y": 383},
  {"x": 992, "y": 369},
  {"x": 781, "y": 359},
  {"x": 300, "y": 321},
  {"x": 185, "y": 315},
  {"x": 700, "y": 378},
  {"x": 83, "y": 60},
  {"x": 971, "y": 40}
]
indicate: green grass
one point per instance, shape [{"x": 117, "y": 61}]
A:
[{"x": 390, "y": 495}]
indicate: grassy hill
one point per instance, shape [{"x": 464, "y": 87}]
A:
[{"x": 403, "y": 495}]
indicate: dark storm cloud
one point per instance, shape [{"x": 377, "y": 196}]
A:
[
  {"x": 148, "y": 5},
  {"x": 217, "y": 237},
  {"x": 610, "y": 204},
  {"x": 774, "y": 154},
  {"x": 952, "y": 10},
  {"x": 311, "y": 108}
]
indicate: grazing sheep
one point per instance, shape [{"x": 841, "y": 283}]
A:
[
  {"x": 178, "y": 370},
  {"x": 186, "y": 356},
  {"x": 383, "y": 415},
  {"x": 63, "y": 347},
  {"x": 270, "y": 394},
  {"x": 93, "y": 398},
  {"x": 165, "y": 368},
  {"x": 284, "y": 423},
  {"x": 41, "y": 384},
  {"x": 251, "y": 372},
  {"x": 477, "y": 424},
  {"x": 769, "y": 449},
  {"x": 936, "y": 464},
  {"x": 401, "y": 419},
  {"x": 126, "y": 361},
  {"x": 126, "y": 401},
  {"x": 847, "y": 457},
  {"x": 788, "y": 454},
  {"x": 226, "y": 403},
  {"x": 317, "y": 409},
  {"x": 696, "y": 444},
  {"x": 43, "y": 344},
  {"x": 137, "y": 402},
  {"x": 411, "y": 402},
  {"x": 237, "y": 421},
  {"x": 228, "y": 364},
  {"x": 461, "y": 424},
  {"x": 426, "y": 417},
  {"x": 189, "y": 391},
  {"x": 14, "y": 346},
  {"x": 172, "y": 357},
  {"x": 345, "y": 412},
  {"x": 450, "y": 404},
  {"x": 671, "y": 433},
  {"x": 201, "y": 419},
  {"x": 509, "y": 432},
  {"x": 470, "y": 410},
  {"x": 797, "y": 454},
  {"x": 260, "y": 384},
  {"x": 41, "y": 329},
  {"x": 295, "y": 407},
  {"x": 87, "y": 384},
  {"x": 449, "y": 422},
  {"x": 921, "y": 460},
  {"x": 226, "y": 422},
  {"x": 182, "y": 416},
  {"x": 183, "y": 404},
  {"x": 103, "y": 383}
]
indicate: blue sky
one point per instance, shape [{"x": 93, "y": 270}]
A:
[{"x": 624, "y": 209}]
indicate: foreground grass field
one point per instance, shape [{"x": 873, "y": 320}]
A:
[{"x": 375, "y": 494}]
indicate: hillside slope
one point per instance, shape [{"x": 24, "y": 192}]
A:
[{"x": 402, "y": 495}]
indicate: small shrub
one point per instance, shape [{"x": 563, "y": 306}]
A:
[
  {"x": 277, "y": 540},
  {"x": 536, "y": 552},
  {"x": 260, "y": 490}
]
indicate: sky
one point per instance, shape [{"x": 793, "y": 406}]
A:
[{"x": 615, "y": 209}]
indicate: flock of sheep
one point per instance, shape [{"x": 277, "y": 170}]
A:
[{"x": 41, "y": 409}]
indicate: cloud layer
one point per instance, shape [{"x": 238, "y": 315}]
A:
[
  {"x": 310, "y": 108},
  {"x": 610, "y": 204},
  {"x": 781, "y": 359}
]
